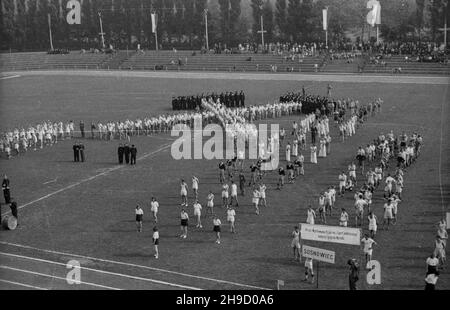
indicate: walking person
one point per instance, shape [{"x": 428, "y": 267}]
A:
[
  {"x": 231, "y": 218},
  {"x": 210, "y": 203},
  {"x": 154, "y": 206},
  {"x": 295, "y": 244},
  {"x": 216, "y": 229},
  {"x": 184, "y": 224},
  {"x": 127, "y": 151},
  {"x": 139, "y": 215},
  {"x": 368, "y": 248},
  {"x": 155, "y": 239},
  {"x": 81, "y": 148},
  {"x": 198, "y": 213},
  {"x": 14, "y": 210}
]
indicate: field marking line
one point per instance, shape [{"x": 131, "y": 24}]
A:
[
  {"x": 104, "y": 272},
  {"x": 165, "y": 146},
  {"x": 440, "y": 151},
  {"x": 9, "y": 77},
  {"x": 56, "y": 277},
  {"x": 51, "y": 181},
  {"x": 24, "y": 285},
  {"x": 135, "y": 265}
]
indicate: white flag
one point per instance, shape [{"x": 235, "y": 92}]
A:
[
  {"x": 153, "y": 22},
  {"x": 325, "y": 20},
  {"x": 374, "y": 15}
]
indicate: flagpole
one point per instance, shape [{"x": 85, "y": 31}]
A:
[
  {"x": 206, "y": 29},
  {"x": 101, "y": 29},
  {"x": 50, "y": 31}
]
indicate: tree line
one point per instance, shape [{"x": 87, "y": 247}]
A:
[{"x": 181, "y": 23}]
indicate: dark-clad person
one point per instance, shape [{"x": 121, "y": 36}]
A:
[
  {"x": 6, "y": 191},
  {"x": 133, "y": 153},
  {"x": 126, "y": 151},
  {"x": 76, "y": 152},
  {"x": 353, "y": 277},
  {"x": 14, "y": 211},
  {"x": 120, "y": 153},
  {"x": 82, "y": 128},
  {"x": 81, "y": 147},
  {"x": 93, "y": 130}
]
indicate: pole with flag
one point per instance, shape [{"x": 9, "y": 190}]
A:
[
  {"x": 154, "y": 28},
  {"x": 262, "y": 31},
  {"x": 101, "y": 29},
  {"x": 50, "y": 31},
  {"x": 325, "y": 25}
]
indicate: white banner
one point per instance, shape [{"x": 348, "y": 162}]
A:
[
  {"x": 374, "y": 16},
  {"x": 334, "y": 234},
  {"x": 448, "y": 220},
  {"x": 153, "y": 22},
  {"x": 318, "y": 254},
  {"x": 325, "y": 20}
]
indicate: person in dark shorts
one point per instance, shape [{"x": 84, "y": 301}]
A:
[
  {"x": 139, "y": 216},
  {"x": 184, "y": 224},
  {"x": 216, "y": 229},
  {"x": 155, "y": 239}
]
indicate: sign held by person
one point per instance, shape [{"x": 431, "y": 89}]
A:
[{"x": 334, "y": 234}]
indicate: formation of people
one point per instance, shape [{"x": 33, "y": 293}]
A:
[{"x": 229, "y": 99}]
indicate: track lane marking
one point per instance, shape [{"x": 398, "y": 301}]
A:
[
  {"x": 103, "y": 271},
  {"x": 24, "y": 285}
]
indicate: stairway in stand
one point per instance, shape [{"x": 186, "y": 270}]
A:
[{"x": 116, "y": 60}]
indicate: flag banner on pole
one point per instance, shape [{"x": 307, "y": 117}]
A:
[
  {"x": 153, "y": 23},
  {"x": 325, "y": 20},
  {"x": 374, "y": 15}
]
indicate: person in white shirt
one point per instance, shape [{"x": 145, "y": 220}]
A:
[
  {"x": 184, "y": 223},
  {"x": 210, "y": 203},
  {"x": 360, "y": 203},
  {"x": 372, "y": 224},
  {"x": 388, "y": 215},
  {"x": 154, "y": 206},
  {"x": 225, "y": 195},
  {"x": 310, "y": 216},
  {"x": 198, "y": 213},
  {"x": 139, "y": 214},
  {"x": 231, "y": 217},
  {"x": 343, "y": 219},
  {"x": 295, "y": 244},
  {"x": 195, "y": 186},
  {"x": 342, "y": 183},
  {"x": 155, "y": 239},
  {"x": 217, "y": 223},
  {"x": 262, "y": 195},
  {"x": 234, "y": 194},
  {"x": 183, "y": 192},
  {"x": 432, "y": 263},
  {"x": 255, "y": 200},
  {"x": 368, "y": 247},
  {"x": 309, "y": 269},
  {"x": 389, "y": 182}
]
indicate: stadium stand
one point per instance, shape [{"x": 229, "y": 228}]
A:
[
  {"x": 42, "y": 60},
  {"x": 393, "y": 63}
]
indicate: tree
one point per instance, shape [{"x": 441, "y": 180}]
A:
[
  {"x": 294, "y": 20},
  {"x": 281, "y": 19},
  {"x": 268, "y": 21}
]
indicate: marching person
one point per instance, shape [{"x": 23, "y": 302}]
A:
[
  {"x": 155, "y": 239},
  {"x": 195, "y": 186},
  {"x": 372, "y": 225},
  {"x": 139, "y": 214},
  {"x": 343, "y": 219},
  {"x": 198, "y": 213},
  {"x": 183, "y": 192},
  {"x": 309, "y": 270},
  {"x": 231, "y": 217},
  {"x": 295, "y": 244},
  {"x": 217, "y": 223},
  {"x": 14, "y": 210},
  {"x": 311, "y": 215},
  {"x": 154, "y": 206},
  {"x": 255, "y": 200},
  {"x": 81, "y": 148},
  {"x": 368, "y": 248},
  {"x": 210, "y": 203},
  {"x": 234, "y": 194},
  {"x": 126, "y": 151},
  {"x": 184, "y": 223}
]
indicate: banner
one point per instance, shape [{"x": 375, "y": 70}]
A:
[
  {"x": 325, "y": 19},
  {"x": 318, "y": 254},
  {"x": 374, "y": 15},
  {"x": 334, "y": 234},
  {"x": 153, "y": 22}
]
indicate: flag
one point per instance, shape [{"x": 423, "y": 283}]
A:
[
  {"x": 280, "y": 283},
  {"x": 325, "y": 20},
  {"x": 153, "y": 22},
  {"x": 374, "y": 15}
]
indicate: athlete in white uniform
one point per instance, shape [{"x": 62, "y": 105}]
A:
[
  {"x": 198, "y": 213},
  {"x": 154, "y": 206}
]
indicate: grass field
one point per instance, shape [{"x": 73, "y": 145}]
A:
[{"x": 86, "y": 211}]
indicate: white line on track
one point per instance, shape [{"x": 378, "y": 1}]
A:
[
  {"x": 440, "y": 150},
  {"x": 165, "y": 146},
  {"x": 104, "y": 272},
  {"x": 9, "y": 77},
  {"x": 55, "y": 277},
  {"x": 51, "y": 181},
  {"x": 23, "y": 284},
  {"x": 135, "y": 265}
]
